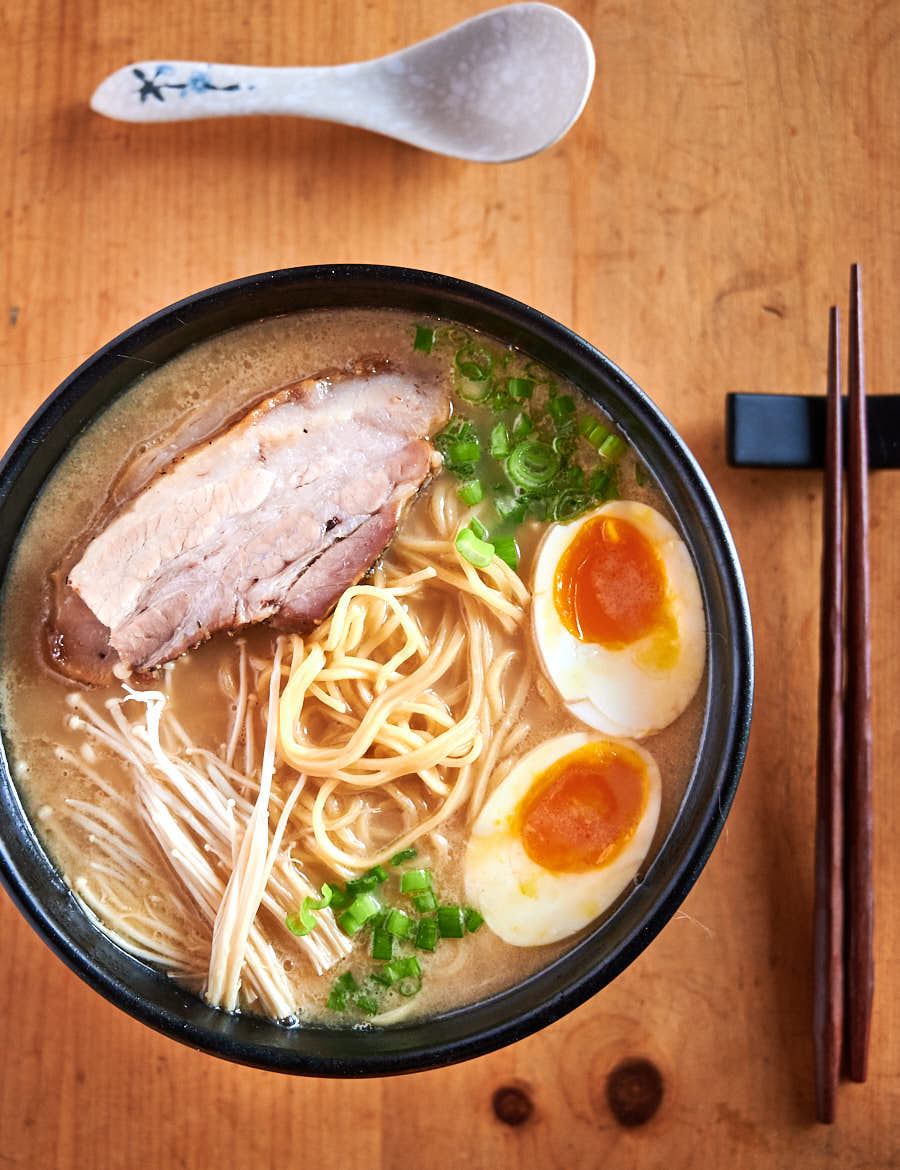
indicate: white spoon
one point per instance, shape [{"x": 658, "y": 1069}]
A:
[{"x": 495, "y": 88}]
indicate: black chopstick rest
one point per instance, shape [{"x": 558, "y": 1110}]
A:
[{"x": 788, "y": 430}]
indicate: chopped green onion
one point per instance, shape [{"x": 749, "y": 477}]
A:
[
  {"x": 424, "y": 339},
  {"x": 613, "y": 448},
  {"x": 593, "y": 430},
  {"x": 367, "y": 1004},
  {"x": 425, "y": 903},
  {"x": 472, "y": 919},
  {"x": 450, "y": 921},
  {"x": 499, "y": 441},
  {"x": 603, "y": 484},
  {"x": 470, "y": 391},
  {"x": 464, "y": 451},
  {"x": 404, "y": 855},
  {"x": 405, "y": 974},
  {"x": 512, "y": 509},
  {"x": 507, "y": 550},
  {"x": 563, "y": 444},
  {"x": 571, "y": 504},
  {"x": 561, "y": 408},
  {"x": 382, "y": 944},
  {"x": 368, "y": 882},
  {"x": 522, "y": 425},
  {"x": 532, "y": 464},
  {"x": 474, "y": 362},
  {"x": 339, "y": 898},
  {"x": 414, "y": 880},
  {"x": 360, "y": 911},
  {"x": 477, "y": 552},
  {"x": 305, "y": 920},
  {"x": 426, "y": 934},
  {"x": 472, "y": 493},
  {"x": 480, "y": 531},
  {"x": 398, "y": 924},
  {"x": 342, "y": 987},
  {"x": 520, "y": 387}
]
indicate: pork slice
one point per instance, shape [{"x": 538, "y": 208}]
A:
[{"x": 246, "y": 526}]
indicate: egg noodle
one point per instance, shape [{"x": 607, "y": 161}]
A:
[{"x": 399, "y": 711}]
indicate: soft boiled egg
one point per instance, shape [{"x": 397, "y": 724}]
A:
[
  {"x": 562, "y": 837},
  {"x": 618, "y": 618}
]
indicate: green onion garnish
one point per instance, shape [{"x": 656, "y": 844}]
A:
[
  {"x": 603, "y": 484},
  {"x": 571, "y": 504},
  {"x": 425, "y": 902},
  {"x": 480, "y": 531},
  {"x": 613, "y": 448},
  {"x": 343, "y": 986},
  {"x": 339, "y": 898},
  {"x": 450, "y": 921},
  {"x": 398, "y": 924},
  {"x": 360, "y": 911},
  {"x": 477, "y": 552},
  {"x": 522, "y": 425},
  {"x": 404, "y": 855},
  {"x": 593, "y": 430},
  {"x": 464, "y": 451},
  {"x": 404, "y": 974},
  {"x": 507, "y": 550},
  {"x": 414, "y": 880},
  {"x": 520, "y": 387},
  {"x": 561, "y": 408},
  {"x": 474, "y": 362},
  {"x": 499, "y": 441},
  {"x": 424, "y": 339},
  {"x": 367, "y": 1004},
  {"x": 472, "y": 919},
  {"x": 305, "y": 920},
  {"x": 472, "y": 493},
  {"x": 426, "y": 934},
  {"x": 532, "y": 464},
  {"x": 362, "y": 885},
  {"x": 511, "y": 509},
  {"x": 382, "y": 944}
]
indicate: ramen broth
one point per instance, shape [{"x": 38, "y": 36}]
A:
[{"x": 70, "y": 782}]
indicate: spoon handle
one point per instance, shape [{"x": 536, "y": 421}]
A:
[{"x": 176, "y": 91}]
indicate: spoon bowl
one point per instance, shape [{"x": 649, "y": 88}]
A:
[{"x": 496, "y": 88}]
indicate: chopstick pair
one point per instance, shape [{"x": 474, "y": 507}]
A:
[{"x": 844, "y": 903}]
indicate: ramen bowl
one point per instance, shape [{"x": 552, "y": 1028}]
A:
[{"x": 604, "y": 950}]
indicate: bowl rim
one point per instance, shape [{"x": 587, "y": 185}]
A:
[{"x": 488, "y": 1024}]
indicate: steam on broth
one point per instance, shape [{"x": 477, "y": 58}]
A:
[{"x": 413, "y": 803}]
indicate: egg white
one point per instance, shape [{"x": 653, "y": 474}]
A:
[
  {"x": 622, "y": 692},
  {"x": 522, "y": 902}
]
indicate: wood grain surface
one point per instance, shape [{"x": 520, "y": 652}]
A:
[{"x": 734, "y": 158}]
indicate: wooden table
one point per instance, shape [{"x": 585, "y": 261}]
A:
[{"x": 734, "y": 158}]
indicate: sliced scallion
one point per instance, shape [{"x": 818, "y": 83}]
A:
[
  {"x": 571, "y": 504},
  {"x": 404, "y": 855},
  {"x": 367, "y": 1004},
  {"x": 471, "y": 493},
  {"x": 382, "y": 944},
  {"x": 613, "y": 448},
  {"x": 561, "y": 408},
  {"x": 361, "y": 910},
  {"x": 532, "y": 464},
  {"x": 450, "y": 921},
  {"x": 507, "y": 550},
  {"x": 463, "y": 451},
  {"x": 398, "y": 924},
  {"x": 424, "y": 339},
  {"x": 415, "y": 880},
  {"x": 499, "y": 441},
  {"x": 425, "y": 902},
  {"x": 522, "y": 425},
  {"x": 477, "y": 552},
  {"x": 474, "y": 362},
  {"x": 478, "y": 528},
  {"x": 367, "y": 882},
  {"x": 472, "y": 919},
  {"x": 426, "y": 934},
  {"x": 520, "y": 387},
  {"x": 305, "y": 920},
  {"x": 511, "y": 509}
]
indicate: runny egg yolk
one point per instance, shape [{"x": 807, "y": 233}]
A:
[
  {"x": 583, "y": 810},
  {"x": 610, "y": 584}
]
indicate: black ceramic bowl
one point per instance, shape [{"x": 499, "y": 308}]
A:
[{"x": 45, "y": 899}]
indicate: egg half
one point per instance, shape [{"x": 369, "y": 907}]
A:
[
  {"x": 618, "y": 618},
  {"x": 562, "y": 836}
]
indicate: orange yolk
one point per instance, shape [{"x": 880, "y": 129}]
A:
[
  {"x": 581, "y": 813},
  {"x": 610, "y": 585}
]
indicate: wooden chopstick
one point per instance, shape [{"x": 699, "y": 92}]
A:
[
  {"x": 828, "y": 1004},
  {"x": 858, "y": 776},
  {"x": 844, "y": 900}
]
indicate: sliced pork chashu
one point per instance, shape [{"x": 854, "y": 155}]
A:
[{"x": 272, "y": 518}]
